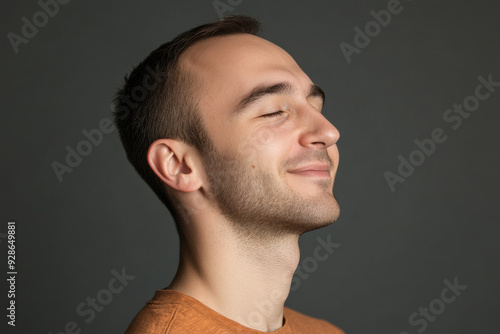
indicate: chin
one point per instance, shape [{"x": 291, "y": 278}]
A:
[
  {"x": 332, "y": 215},
  {"x": 323, "y": 216}
]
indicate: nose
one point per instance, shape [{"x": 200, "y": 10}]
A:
[{"x": 317, "y": 131}]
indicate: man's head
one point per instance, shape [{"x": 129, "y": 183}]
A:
[{"x": 237, "y": 123}]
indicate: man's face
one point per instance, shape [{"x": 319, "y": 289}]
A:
[{"x": 274, "y": 157}]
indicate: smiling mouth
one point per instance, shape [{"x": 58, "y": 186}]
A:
[
  {"x": 313, "y": 173},
  {"x": 313, "y": 170}
]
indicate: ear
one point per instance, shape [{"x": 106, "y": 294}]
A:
[{"x": 175, "y": 164}]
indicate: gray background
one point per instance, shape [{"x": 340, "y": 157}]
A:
[{"x": 396, "y": 249}]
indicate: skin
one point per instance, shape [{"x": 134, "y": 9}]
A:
[{"x": 244, "y": 207}]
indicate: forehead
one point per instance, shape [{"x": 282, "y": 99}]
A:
[{"x": 230, "y": 66}]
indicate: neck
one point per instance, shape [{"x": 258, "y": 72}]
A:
[{"x": 245, "y": 280}]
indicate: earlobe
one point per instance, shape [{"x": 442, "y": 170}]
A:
[{"x": 171, "y": 162}]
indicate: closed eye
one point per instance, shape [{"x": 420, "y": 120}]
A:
[{"x": 273, "y": 114}]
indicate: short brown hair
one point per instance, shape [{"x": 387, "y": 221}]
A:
[{"x": 167, "y": 108}]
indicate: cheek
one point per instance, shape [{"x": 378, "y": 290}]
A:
[
  {"x": 262, "y": 147},
  {"x": 253, "y": 142}
]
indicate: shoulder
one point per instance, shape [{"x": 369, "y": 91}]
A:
[
  {"x": 174, "y": 319},
  {"x": 153, "y": 318},
  {"x": 171, "y": 312},
  {"x": 302, "y": 323}
]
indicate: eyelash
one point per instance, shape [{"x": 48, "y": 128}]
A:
[{"x": 276, "y": 113}]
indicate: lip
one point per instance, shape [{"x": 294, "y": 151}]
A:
[{"x": 313, "y": 170}]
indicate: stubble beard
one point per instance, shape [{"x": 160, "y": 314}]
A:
[{"x": 257, "y": 205}]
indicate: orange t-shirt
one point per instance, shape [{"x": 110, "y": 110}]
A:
[{"x": 172, "y": 312}]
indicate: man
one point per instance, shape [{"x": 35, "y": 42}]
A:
[{"x": 227, "y": 130}]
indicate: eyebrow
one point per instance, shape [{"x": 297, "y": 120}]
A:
[{"x": 280, "y": 88}]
